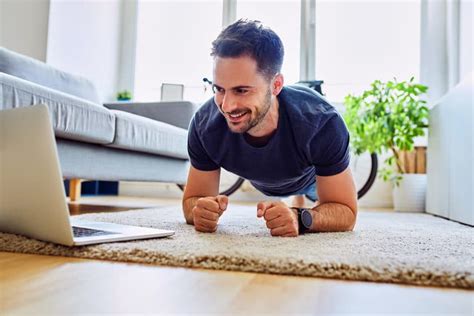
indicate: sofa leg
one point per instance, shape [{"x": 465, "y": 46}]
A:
[{"x": 74, "y": 189}]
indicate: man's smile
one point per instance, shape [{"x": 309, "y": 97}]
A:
[{"x": 237, "y": 117}]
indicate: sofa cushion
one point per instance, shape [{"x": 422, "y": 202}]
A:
[
  {"x": 72, "y": 117},
  {"x": 142, "y": 134},
  {"x": 36, "y": 71}
]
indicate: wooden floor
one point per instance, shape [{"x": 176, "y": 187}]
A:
[{"x": 46, "y": 285}]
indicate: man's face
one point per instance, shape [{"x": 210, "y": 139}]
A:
[{"x": 243, "y": 95}]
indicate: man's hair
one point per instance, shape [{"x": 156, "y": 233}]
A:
[{"x": 252, "y": 39}]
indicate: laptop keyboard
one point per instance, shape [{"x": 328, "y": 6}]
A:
[{"x": 89, "y": 232}]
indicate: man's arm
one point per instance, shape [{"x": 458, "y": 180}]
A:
[
  {"x": 199, "y": 184},
  {"x": 336, "y": 209}
]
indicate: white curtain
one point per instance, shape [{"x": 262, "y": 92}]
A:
[{"x": 439, "y": 60}]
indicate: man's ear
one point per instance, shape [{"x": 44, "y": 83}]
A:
[{"x": 277, "y": 84}]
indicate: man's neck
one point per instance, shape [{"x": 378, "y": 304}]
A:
[{"x": 258, "y": 141}]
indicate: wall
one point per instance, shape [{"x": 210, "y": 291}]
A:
[
  {"x": 446, "y": 45},
  {"x": 466, "y": 36},
  {"x": 85, "y": 39},
  {"x": 450, "y": 155},
  {"x": 451, "y": 143},
  {"x": 24, "y": 26}
]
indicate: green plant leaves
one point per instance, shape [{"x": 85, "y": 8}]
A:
[
  {"x": 124, "y": 95},
  {"x": 388, "y": 116}
]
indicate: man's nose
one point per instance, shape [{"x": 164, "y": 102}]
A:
[{"x": 228, "y": 103}]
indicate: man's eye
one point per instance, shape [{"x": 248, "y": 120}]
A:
[
  {"x": 241, "y": 91},
  {"x": 217, "y": 89}
]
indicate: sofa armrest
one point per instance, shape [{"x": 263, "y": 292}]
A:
[
  {"x": 177, "y": 113},
  {"x": 71, "y": 116}
]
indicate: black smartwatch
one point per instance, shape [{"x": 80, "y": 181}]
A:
[{"x": 305, "y": 219}]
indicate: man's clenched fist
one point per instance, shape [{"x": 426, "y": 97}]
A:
[
  {"x": 281, "y": 220},
  {"x": 207, "y": 211}
]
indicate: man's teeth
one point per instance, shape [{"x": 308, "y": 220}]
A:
[{"x": 237, "y": 115}]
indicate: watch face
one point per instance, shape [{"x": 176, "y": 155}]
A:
[{"x": 306, "y": 219}]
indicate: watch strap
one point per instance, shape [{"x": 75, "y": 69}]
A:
[{"x": 301, "y": 227}]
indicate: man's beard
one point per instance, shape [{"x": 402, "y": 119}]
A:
[{"x": 259, "y": 115}]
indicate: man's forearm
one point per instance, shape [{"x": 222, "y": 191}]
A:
[
  {"x": 188, "y": 206},
  {"x": 333, "y": 217}
]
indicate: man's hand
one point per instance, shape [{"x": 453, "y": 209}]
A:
[
  {"x": 281, "y": 220},
  {"x": 207, "y": 211}
]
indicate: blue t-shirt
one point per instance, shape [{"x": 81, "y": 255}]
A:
[{"x": 311, "y": 139}]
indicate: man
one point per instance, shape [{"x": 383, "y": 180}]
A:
[{"x": 284, "y": 140}]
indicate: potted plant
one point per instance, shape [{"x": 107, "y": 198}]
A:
[
  {"x": 124, "y": 95},
  {"x": 387, "y": 118}
]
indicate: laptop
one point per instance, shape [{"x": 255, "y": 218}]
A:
[{"x": 32, "y": 195}]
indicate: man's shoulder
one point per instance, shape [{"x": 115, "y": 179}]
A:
[
  {"x": 206, "y": 110},
  {"x": 208, "y": 117},
  {"x": 208, "y": 122},
  {"x": 306, "y": 107}
]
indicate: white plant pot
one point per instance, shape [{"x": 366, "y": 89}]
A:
[{"x": 410, "y": 195}]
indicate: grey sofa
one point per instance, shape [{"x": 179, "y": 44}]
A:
[{"x": 146, "y": 142}]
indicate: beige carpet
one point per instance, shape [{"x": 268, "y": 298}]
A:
[{"x": 385, "y": 247}]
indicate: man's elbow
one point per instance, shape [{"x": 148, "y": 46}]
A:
[
  {"x": 188, "y": 214},
  {"x": 353, "y": 220},
  {"x": 189, "y": 219},
  {"x": 351, "y": 227}
]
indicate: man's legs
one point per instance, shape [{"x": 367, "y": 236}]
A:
[
  {"x": 298, "y": 201},
  {"x": 309, "y": 192}
]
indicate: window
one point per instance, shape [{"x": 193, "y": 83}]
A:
[
  {"x": 173, "y": 46},
  {"x": 356, "y": 42},
  {"x": 360, "y": 41},
  {"x": 283, "y": 17}
]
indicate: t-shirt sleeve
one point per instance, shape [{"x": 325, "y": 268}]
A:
[
  {"x": 330, "y": 147},
  {"x": 197, "y": 154}
]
